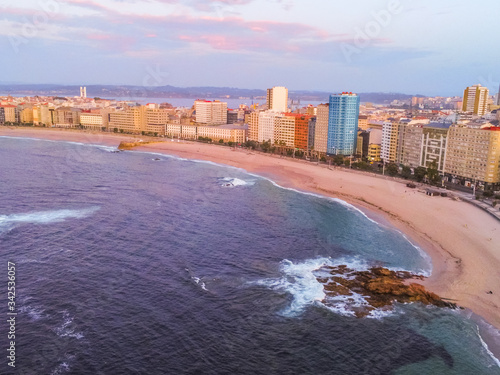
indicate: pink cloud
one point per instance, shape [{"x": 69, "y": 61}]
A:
[
  {"x": 227, "y": 33},
  {"x": 88, "y": 4},
  {"x": 111, "y": 42},
  {"x": 258, "y": 29}
]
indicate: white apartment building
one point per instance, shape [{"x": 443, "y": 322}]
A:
[
  {"x": 277, "y": 99},
  {"x": 267, "y": 124},
  {"x": 389, "y": 141}
]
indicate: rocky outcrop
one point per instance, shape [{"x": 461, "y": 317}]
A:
[
  {"x": 131, "y": 145},
  {"x": 379, "y": 286}
]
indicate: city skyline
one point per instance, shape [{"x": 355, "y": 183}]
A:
[{"x": 376, "y": 46}]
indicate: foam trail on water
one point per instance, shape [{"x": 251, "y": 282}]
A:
[
  {"x": 44, "y": 217},
  {"x": 102, "y": 147}
]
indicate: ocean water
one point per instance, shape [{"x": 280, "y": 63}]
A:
[{"x": 130, "y": 265}]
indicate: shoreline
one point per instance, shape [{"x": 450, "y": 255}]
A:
[{"x": 458, "y": 237}]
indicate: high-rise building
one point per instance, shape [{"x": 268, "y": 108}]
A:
[
  {"x": 277, "y": 99},
  {"x": 43, "y": 115},
  {"x": 321, "y": 131},
  {"x": 9, "y": 113},
  {"x": 410, "y": 145},
  {"x": 83, "y": 92},
  {"x": 434, "y": 139},
  {"x": 267, "y": 126},
  {"x": 472, "y": 156},
  {"x": 475, "y": 100},
  {"x": 26, "y": 115},
  {"x": 208, "y": 112},
  {"x": 498, "y": 96},
  {"x": 284, "y": 130},
  {"x": 390, "y": 137},
  {"x": 312, "y": 132},
  {"x": 253, "y": 126},
  {"x": 301, "y": 129},
  {"x": 343, "y": 124}
]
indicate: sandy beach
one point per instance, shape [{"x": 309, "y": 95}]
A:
[{"x": 462, "y": 240}]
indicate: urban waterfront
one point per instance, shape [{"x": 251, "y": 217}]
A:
[{"x": 131, "y": 264}]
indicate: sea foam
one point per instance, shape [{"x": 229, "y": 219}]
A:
[
  {"x": 234, "y": 182},
  {"x": 7, "y": 222},
  {"x": 300, "y": 280},
  {"x": 67, "y": 328}
]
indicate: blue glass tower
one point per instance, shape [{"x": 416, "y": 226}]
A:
[{"x": 343, "y": 124}]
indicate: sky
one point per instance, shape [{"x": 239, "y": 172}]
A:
[{"x": 426, "y": 47}]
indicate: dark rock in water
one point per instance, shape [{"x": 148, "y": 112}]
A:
[{"x": 381, "y": 287}]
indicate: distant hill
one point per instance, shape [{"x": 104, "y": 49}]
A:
[{"x": 127, "y": 91}]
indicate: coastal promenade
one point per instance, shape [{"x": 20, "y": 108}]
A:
[{"x": 493, "y": 211}]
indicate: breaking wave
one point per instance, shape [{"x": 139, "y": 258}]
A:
[
  {"x": 300, "y": 280},
  {"x": 234, "y": 182},
  {"x": 7, "y": 222}
]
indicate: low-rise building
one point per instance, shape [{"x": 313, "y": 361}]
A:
[
  {"x": 228, "y": 133},
  {"x": 91, "y": 120},
  {"x": 67, "y": 117}
]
